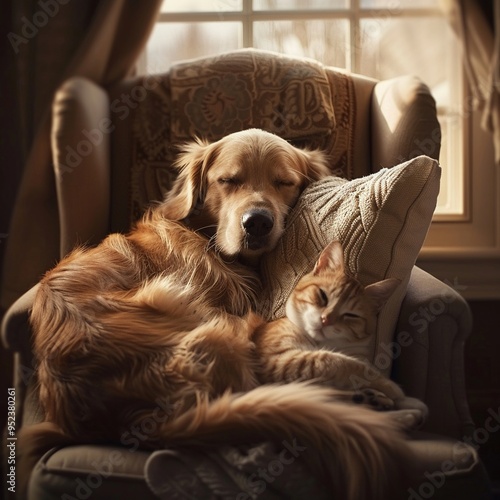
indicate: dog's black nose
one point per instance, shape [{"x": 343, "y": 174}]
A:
[{"x": 257, "y": 222}]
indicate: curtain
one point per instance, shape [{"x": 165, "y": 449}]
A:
[
  {"x": 99, "y": 40},
  {"x": 477, "y": 25}
]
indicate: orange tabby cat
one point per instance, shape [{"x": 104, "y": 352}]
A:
[{"x": 326, "y": 303}]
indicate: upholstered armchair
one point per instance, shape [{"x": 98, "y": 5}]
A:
[{"x": 113, "y": 149}]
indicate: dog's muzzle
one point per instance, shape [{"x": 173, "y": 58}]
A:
[{"x": 257, "y": 225}]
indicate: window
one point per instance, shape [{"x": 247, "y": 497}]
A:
[{"x": 378, "y": 38}]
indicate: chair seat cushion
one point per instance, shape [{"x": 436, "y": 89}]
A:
[
  {"x": 90, "y": 471},
  {"x": 452, "y": 471}
]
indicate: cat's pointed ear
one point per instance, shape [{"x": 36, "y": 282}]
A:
[
  {"x": 380, "y": 291},
  {"x": 331, "y": 258}
]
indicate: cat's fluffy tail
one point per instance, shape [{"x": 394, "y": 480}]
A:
[{"x": 360, "y": 453}]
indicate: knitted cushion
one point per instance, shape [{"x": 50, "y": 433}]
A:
[{"x": 381, "y": 220}]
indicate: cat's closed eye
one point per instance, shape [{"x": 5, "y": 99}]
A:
[{"x": 323, "y": 298}]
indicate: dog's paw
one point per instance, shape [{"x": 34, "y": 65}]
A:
[{"x": 374, "y": 399}]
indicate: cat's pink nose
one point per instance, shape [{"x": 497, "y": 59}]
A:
[{"x": 325, "y": 320}]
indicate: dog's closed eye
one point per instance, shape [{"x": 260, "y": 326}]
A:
[
  {"x": 229, "y": 181},
  {"x": 284, "y": 183}
]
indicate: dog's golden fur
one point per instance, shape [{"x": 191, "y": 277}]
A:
[
  {"x": 164, "y": 313},
  {"x": 242, "y": 172}
]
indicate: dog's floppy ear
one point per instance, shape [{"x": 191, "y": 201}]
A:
[
  {"x": 190, "y": 186},
  {"x": 315, "y": 165}
]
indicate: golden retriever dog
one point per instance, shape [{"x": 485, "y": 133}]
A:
[
  {"x": 245, "y": 184},
  {"x": 162, "y": 317}
]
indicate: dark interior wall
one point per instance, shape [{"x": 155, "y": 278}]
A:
[
  {"x": 11, "y": 153},
  {"x": 482, "y": 371},
  {"x": 11, "y": 161}
]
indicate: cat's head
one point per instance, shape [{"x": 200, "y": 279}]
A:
[{"x": 327, "y": 303}]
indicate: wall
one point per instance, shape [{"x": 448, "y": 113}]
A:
[{"x": 482, "y": 370}]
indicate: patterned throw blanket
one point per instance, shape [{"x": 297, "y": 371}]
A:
[
  {"x": 233, "y": 473},
  {"x": 231, "y": 92}
]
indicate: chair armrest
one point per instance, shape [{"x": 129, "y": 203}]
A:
[
  {"x": 16, "y": 330},
  {"x": 433, "y": 326},
  {"x": 404, "y": 122},
  {"x": 81, "y": 130},
  {"x": 16, "y": 337}
]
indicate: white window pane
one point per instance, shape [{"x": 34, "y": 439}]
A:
[
  {"x": 172, "y": 42},
  {"x": 425, "y": 47},
  {"x": 299, "y": 4},
  {"x": 201, "y": 5},
  {"x": 392, "y": 47},
  {"x": 421, "y": 46},
  {"x": 325, "y": 41},
  {"x": 451, "y": 200}
]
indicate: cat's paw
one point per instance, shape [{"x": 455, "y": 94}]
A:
[
  {"x": 419, "y": 409},
  {"x": 408, "y": 403},
  {"x": 374, "y": 399},
  {"x": 408, "y": 420}
]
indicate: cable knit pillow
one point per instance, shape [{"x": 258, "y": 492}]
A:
[{"x": 381, "y": 220}]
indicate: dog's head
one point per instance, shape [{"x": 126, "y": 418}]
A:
[{"x": 240, "y": 189}]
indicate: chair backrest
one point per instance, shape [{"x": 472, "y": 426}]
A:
[
  {"x": 361, "y": 124},
  {"x": 298, "y": 99}
]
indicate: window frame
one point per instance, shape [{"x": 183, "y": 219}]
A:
[{"x": 465, "y": 253}]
